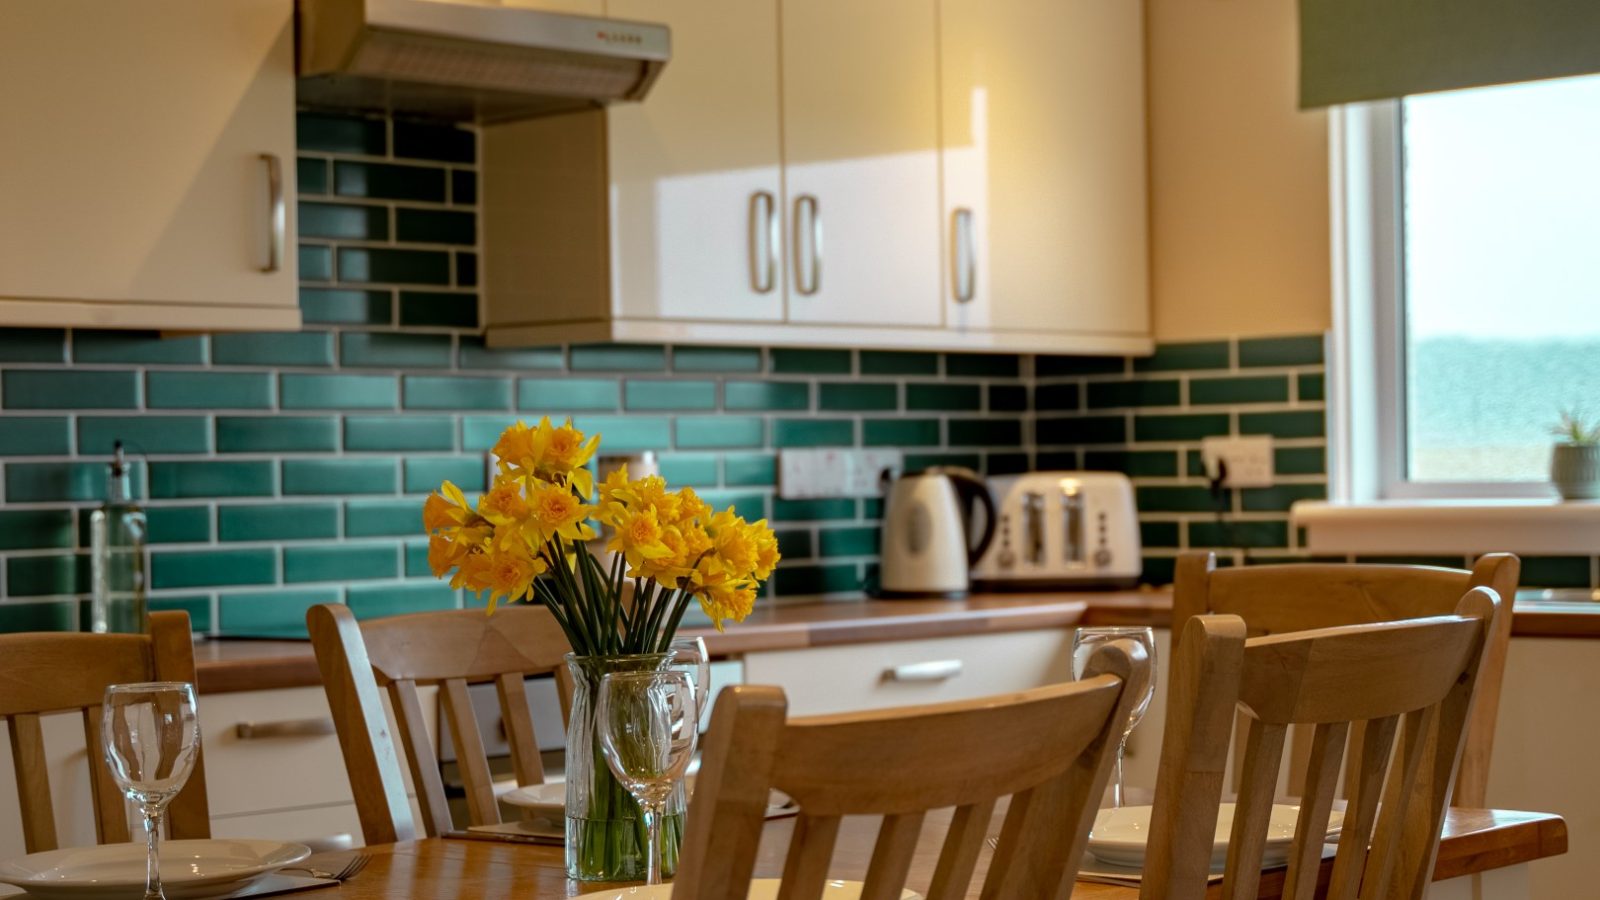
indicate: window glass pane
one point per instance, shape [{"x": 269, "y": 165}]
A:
[{"x": 1502, "y": 275}]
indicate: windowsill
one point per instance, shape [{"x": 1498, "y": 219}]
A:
[{"x": 1391, "y": 527}]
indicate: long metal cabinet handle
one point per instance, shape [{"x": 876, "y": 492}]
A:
[
  {"x": 285, "y": 728},
  {"x": 803, "y": 284},
  {"x": 963, "y": 259},
  {"x": 277, "y": 214},
  {"x": 933, "y": 670},
  {"x": 764, "y": 242}
]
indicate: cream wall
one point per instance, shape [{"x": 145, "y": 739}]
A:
[{"x": 1238, "y": 176}]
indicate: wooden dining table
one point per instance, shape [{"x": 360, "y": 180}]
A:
[{"x": 1475, "y": 841}]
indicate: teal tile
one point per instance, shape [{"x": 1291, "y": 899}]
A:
[
  {"x": 794, "y": 544},
  {"x": 466, "y": 269},
  {"x": 33, "y": 345},
  {"x": 35, "y": 436},
  {"x": 388, "y": 350},
  {"x": 144, "y": 434},
  {"x": 1307, "y": 423},
  {"x": 702, "y": 432},
  {"x": 943, "y": 397},
  {"x": 560, "y": 395},
  {"x": 750, "y": 505},
  {"x": 211, "y": 479},
  {"x": 278, "y": 522},
  {"x": 813, "y": 510},
  {"x": 1062, "y": 397},
  {"x": 896, "y": 362},
  {"x": 619, "y": 358},
  {"x": 346, "y": 306},
  {"x": 1050, "y": 366},
  {"x": 175, "y": 525},
  {"x": 1190, "y": 427},
  {"x": 920, "y": 462},
  {"x": 416, "y": 565},
  {"x": 1299, "y": 460},
  {"x": 198, "y": 606},
  {"x": 475, "y": 355},
  {"x": 36, "y": 529},
  {"x": 1311, "y": 387},
  {"x": 1239, "y": 534},
  {"x": 372, "y": 601},
  {"x": 341, "y": 134},
  {"x": 626, "y": 433},
  {"x": 1279, "y": 497},
  {"x": 1247, "y": 389},
  {"x": 854, "y": 541},
  {"x": 985, "y": 432},
  {"x": 1159, "y": 534},
  {"x": 1082, "y": 430},
  {"x": 387, "y": 181},
  {"x": 1298, "y": 350},
  {"x": 382, "y": 518},
  {"x": 290, "y": 348},
  {"x": 749, "y": 469},
  {"x": 41, "y": 482},
  {"x": 55, "y": 389},
  {"x": 481, "y": 432},
  {"x": 50, "y": 615},
  {"x": 813, "y": 432},
  {"x": 342, "y": 220},
  {"x": 766, "y": 395},
  {"x": 696, "y": 471},
  {"x": 439, "y": 142},
  {"x": 802, "y": 580},
  {"x": 337, "y": 391},
  {"x": 716, "y": 359},
  {"x": 208, "y": 390},
  {"x": 399, "y": 433},
  {"x": 1556, "y": 571},
  {"x": 435, "y": 226},
  {"x": 339, "y": 476},
  {"x": 820, "y": 362},
  {"x": 654, "y": 395},
  {"x": 42, "y": 576},
  {"x": 1112, "y": 394},
  {"x": 394, "y": 266},
  {"x": 852, "y": 396},
  {"x": 990, "y": 365},
  {"x": 437, "y": 309},
  {"x": 1173, "y": 498},
  {"x": 1135, "y": 463},
  {"x": 347, "y": 562},
  {"x": 900, "y": 432},
  {"x": 463, "y": 187},
  {"x": 277, "y": 434},
  {"x": 312, "y": 175},
  {"x": 456, "y": 393},
  {"x": 1186, "y": 355},
  {"x": 279, "y": 614},
  {"x": 136, "y": 347},
  {"x": 212, "y": 568},
  {"x": 425, "y": 474},
  {"x": 316, "y": 262}
]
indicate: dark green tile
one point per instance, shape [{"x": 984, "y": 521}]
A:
[
  {"x": 339, "y": 476},
  {"x": 33, "y": 345},
  {"x": 208, "y": 390},
  {"x": 337, "y": 391},
  {"x": 1110, "y": 394},
  {"x": 197, "y": 606},
  {"x": 754, "y": 469},
  {"x": 416, "y": 560},
  {"x": 57, "y": 389},
  {"x": 175, "y": 525},
  {"x": 144, "y": 434},
  {"x": 277, "y": 434},
  {"x": 1280, "y": 497},
  {"x": 1443, "y": 562},
  {"x": 990, "y": 365},
  {"x": 347, "y": 562},
  {"x": 921, "y": 462},
  {"x": 1247, "y": 389},
  {"x": 46, "y": 481},
  {"x": 943, "y": 397},
  {"x": 1059, "y": 460},
  {"x": 896, "y": 362},
  {"x": 278, "y": 522},
  {"x": 481, "y": 432},
  {"x": 1305, "y": 423},
  {"x": 388, "y": 350},
  {"x": 1190, "y": 427},
  {"x": 1238, "y": 534},
  {"x": 316, "y": 262},
  {"x": 1158, "y": 570},
  {"x": 424, "y": 475},
  {"x": 330, "y": 133},
  {"x": 1556, "y": 571},
  {"x": 1173, "y": 498},
  {"x": 435, "y": 226},
  {"x": 794, "y": 544},
  {"x": 1007, "y": 463},
  {"x": 1298, "y": 350},
  {"x": 475, "y": 355},
  {"x": 855, "y": 541},
  {"x": 1063, "y": 397},
  {"x": 434, "y": 309},
  {"x": 1055, "y": 366},
  {"x": 1311, "y": 387},
  {"x": 312, "y": 175},
  {"x": 800, "y": 580},
  {"x": 35, "y": 529},
  {"x": 872, "y": 508},
  {"x": 452, "y": 393},
  {"x": 34, "y": 436},
  {"x": 716, "y": 359},
  {"x": 813, "y": 432},
  {"x": 280, "y": 614},
  {"x": 50, "y": 615},
  {"x": 1159, "y": 534},
  {"x": 619, "y": 358},
  {"x": 854, "y": 396},
  {"x": 372, "y": 601},
  {"x": 1082, "y": 430},
  {"x": 1008, "y": 398},
  {"x": 985, "y": 432},
  {"x": 399, "y": 433},
  {"x": 706, "y": 432},
  {"x": 463, "y": 187},
  {"x": 345, "y": 306},
  {"x": 395, "y": 266},
  {"x": 900, "y": 432},
  {"x": 388, "y": 181},
  {"x": 41, "y": 576},
  {"x": 1299, "y": 460},
  {"x": 766, "y": 395},
  {"x": 211, "y": 479},
  {"x": 696, "y": 471},
  {"x": 1134, "y": 463},
  {"x": 626, "y": 433},
  {"x": 136, "y": 347},
  {"x": 343, "y": 220},
  {"x": 292, "y": 348},
  {"x": 1186, "y": 355},
  {"x": 751, "y": 506},
  {"x": 427, "y": 140},
  {"x": 559, "y": 395},
  {"x": 654, "y": 395},
  {"x": 466, "y": 268},
  {"x": 813, "y": 510},
  {"x": 207, "y": 568},
  {"x": 821, "y": 362}
]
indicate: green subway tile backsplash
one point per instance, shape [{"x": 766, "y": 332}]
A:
[
  {"x": 304, "y": 391},
  {"x": 277, "y": 434},
  {"x": 845, "y": 396},
  {"x": 340, "y": 476},
  {"x": 811, "y": 362},
  {"x": 547, "y": 396},
  {"x": 346, "y": 562},
  {"x": 41, "y": 345},
  {"x": 205, "y": 568},
  {"x": 144, "y": 434},
  {"x": 55, "y": 389},
  {"x": 35, "y": 529},
  {"x": 425, "y": 474},
  {"x": 35, "y": 436},
  {"x": 474, "y": 354},
  {"x": 678, "y": 394},
  {"x": 618, "y": 358},
  {"x": 377, "y": 349},
  {"x": 208, "y": 390},
  {"x": 895, "y": 362},
  {"x": 382, "y": 518},
  {"x": 399, "y": 433},
  {"x": 297, "y": 348},
  {"x": 766, "y": 395},
  {"x": 278, "y": 522},
  {"x": 211, "y": 479},
  {"x": 1296, "y": 350},
  {"x": 344, "y": 306},
  {"x": 716, "y": 359}
]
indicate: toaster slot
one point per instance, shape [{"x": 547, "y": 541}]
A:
[
  {"x": 1072, "y": 522},
  {"x": 1033, "y": 526}
]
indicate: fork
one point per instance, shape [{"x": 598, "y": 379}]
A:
[{"x": 354, "y": 865}]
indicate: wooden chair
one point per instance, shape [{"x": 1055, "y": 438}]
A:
[
  {"x": 51, "y": 672},
  {"x": 450, "y": 649},
  {"x": 1414, "y": 678},
  {"x": 1051, "y": 749},
  {"x": 1285, "y": 598}
]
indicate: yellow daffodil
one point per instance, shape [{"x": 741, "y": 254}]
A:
[
  {"x": 446, "y": 510},
  {"x": 638, "y": 537},
  {"x": 555, "y": 510}
]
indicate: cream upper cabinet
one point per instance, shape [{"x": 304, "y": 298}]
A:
[
  {"x": 1044, "y": 169},
  {"x": 146, "y": 164}
]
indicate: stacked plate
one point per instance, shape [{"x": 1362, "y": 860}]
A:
[
  {"x": 1119, "y": 835},
  {"x": 549, "y": 801},
  {"x": 760, "y": 889},
  {"x": 190, "y": 870}
]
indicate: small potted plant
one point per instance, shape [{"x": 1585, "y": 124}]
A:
[{"x": 1575, "y": 459}]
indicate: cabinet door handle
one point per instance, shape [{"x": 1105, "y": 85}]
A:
[
  {"x": 934, "y": 670},
  {"x": 963, "y": 258},
  {"x": 803, "y": 284},
  {"x": 764, "y": 242},
  {"x": 277, "y": 212},
  {"x": 247, "y": 731}
]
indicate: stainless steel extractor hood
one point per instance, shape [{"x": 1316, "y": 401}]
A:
[{"x": 470, "y": 60}]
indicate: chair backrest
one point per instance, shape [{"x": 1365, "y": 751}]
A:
[
  {"x": 54, "y": 672},
  {"x": 1414, "y": 679},
  {"x": 1049, "y": 749},
  {"x": 451, "y": 649},
  {"x": 1299, "y": 597}
]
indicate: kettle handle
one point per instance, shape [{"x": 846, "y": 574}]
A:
[{"x": 970, "y": 487}]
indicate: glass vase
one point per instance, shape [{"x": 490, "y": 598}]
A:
[{"x": 606, "y": 836}]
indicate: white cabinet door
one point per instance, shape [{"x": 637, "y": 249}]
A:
[
  {"x": 133, "y": 188},
  {"x": 1044, "y": 166},
  {"x": 861, "y": 135},
  {"x": 695, "y": 193}
]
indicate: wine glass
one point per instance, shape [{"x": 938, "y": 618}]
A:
[
  {"x": 687, "y": 652},
  {"x": 151, "y": 736},
  {"x": 648, "y": 727},
  {"x": 1084, "y": 642}
]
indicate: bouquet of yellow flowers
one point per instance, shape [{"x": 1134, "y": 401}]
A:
[{"x": 527, "y": 536}]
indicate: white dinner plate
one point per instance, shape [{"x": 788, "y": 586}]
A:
[
  {"x": 760, "y": 889},
  {"x": 550, "y": 800},
  {"x": 1119, "y": 835},
  {"x": 190, "y": 870}
]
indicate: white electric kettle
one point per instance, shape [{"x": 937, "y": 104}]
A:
[{"x": 928, "y": 547}]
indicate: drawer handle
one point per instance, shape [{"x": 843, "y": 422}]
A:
[
  {"x": 936, "y": 670},
  {"x": 247, "y": 731}
]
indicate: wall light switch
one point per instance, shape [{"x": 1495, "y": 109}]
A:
[
  {"x": 1249, "y": 459},
  {"x": 806, "y": 474}
]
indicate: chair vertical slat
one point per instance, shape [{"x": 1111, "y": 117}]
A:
[
  {"x": 471, "y": 757},
  {"x": 420, "y": 757},
  {"x": 1263, "y": 755},
  {"x": 891, "y": 856},
  {"x": 33, "y": 783},
  {"x": 519, "y": 729},
  {"x": 810, "y": 851},
  {"x": 1352, "y": 756},
  {"x": 1383, "y": 858},
  {"x": 1300, "y": 749},
  {"x": 962, "y": 844},
  {"x": 172, "y": 659},
  {"x": 110, "y": 810},
  {"x": 1367, "y": 768},
  {"x": 1316, "y": 803}
]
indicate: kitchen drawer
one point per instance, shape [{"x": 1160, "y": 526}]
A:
[{"x": 899, "y": 673}]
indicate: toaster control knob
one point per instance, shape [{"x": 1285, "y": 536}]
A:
[{"x": 1102, "y": 557}]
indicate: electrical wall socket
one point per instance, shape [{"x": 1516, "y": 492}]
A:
[
  {"x": 806, "y": 474},
  {"x": 1249, "y": 459}
]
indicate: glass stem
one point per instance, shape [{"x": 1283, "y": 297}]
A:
[
  {"x": 152, "y": 860},
  {"x": 651, "y": 812},
  {"x": 1116, "y": 786}
]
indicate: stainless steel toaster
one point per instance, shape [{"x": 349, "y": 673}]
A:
[{"x": 1061, "y": 530}]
